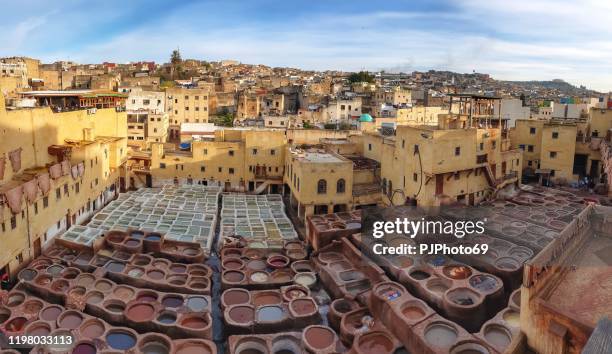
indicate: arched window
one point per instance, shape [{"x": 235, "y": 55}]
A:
[
  {"x": 390, "y": 192},
  {"x": 340, "y": 186},
  {"x": 384, "y": 185},
  {"x": 322, "y": 186}
]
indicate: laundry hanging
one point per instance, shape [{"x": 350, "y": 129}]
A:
[
  {"x": 81, "y": 167},
  {"x": 55, "y": 171},
  {"x": 65, "y": 167},
  {"x": 15, "y": 157},
  {"x": 74, "y": 171},
  {"x": 30, "y": 189},
  {"x": 44, "y": 182},
  {"x": 13, "y": 197}
]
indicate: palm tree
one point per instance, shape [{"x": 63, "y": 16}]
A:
[{"x": 175, "y": 61}]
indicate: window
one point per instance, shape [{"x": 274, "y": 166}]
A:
[
  {"x": 254, "y": 151},
  {"x": 555, "y": 135},
  {"x": 20, "y": 258},
  {"x": 13, "y": 222},
  {"x": 77, "y": 188},
  {"x": 340, "y": 186},
  {"x": 494, "y": 144},
  {"x": 58, "y": 194},
  {"x": 202, "y": 169},
  {"x": 196, "y": 97},
  {"x": 231, "y": 152},
  {"x": 322, "y": 186},
  {"x": 403, "y": 143},
  {"x": 481, "y": 146},
  {"x": 162, "y": 165},
  {"x": 415, "y": 177},
  {"x": 457, "y": 175},
  {"x": 272, "y": 152},
  {"x": 45, "y": 202},
  {"x": 384, "y": 184},
  {"x": 369, "y": 147},
  {"x": 205, "y": 151},
  {"x": 553, "y": 154},
  {"x": 529, "y": 163},
  {"x": 66, "y": 189},
  {"x": 231, "y": 171},
  {"x": 457, "y": 151},
  {"x": 532, "y": 131},
  {"x": 530, "y": 148},
  {"x": 35, "y": 208},
  {"x": 220, "y": 169},
  {"x": 522, "y": 147}
]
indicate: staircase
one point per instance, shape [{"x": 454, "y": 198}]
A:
[{"x": 493, "y": 182}]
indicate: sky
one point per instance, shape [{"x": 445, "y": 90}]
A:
[{"x": 509, "y": 39}]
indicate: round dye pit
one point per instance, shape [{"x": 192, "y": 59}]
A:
[
  {"x": 413, "y": 312},
  {"x": 141, "y": 312},
  {"x": 233, "y": 276},
  {"x": 352, "y": 275},
  {"x": 469, "y": 348},
  {"x": 457, "y": 272},
  {"x": 155, "y": 346},
  {"x": 178, "y": 268},
  {"x": 43, "y": 280},
  {"x": 278, "y": 261},
  {"x": 305, "y": 279},
  {"x": 132, "y": 243},
  {"x": 197, "y": 303},
  {"x": 153, "y": 237},
  {"x": 84, "y": 348},
  {"x": 16, "y": 324},
  {"x": 120, "y": 340},
  {"x": 167, "y": 317},
  {"x": 199, "y": 283},
  {"x": 259, "y": 277},
  {"x": 172, "y": 301},
  {"x": 235, "y": 297},
  {"x": 302, "y": 267},
  {"x": 242, "y": 314},
  {"x": 177, "y": 279},
  {"x": 463, "y": 297},
  {"x": 319, "y": 337},
  {"x": 103, "y": 285},
  {"x": 60, "y": 285},
  {"x": 27, "y": 274},
  {"x": 50, "y": 313},
  {"x": 194, "y": 322},
  {"x": 85, "y": 280},
  {"x": 342, "y": 305},
  {"x": 266, "y": 298},
  {"x": 440, "y": 334},
  {"x": 484, "y": 283},
  {"x": 498, "y": 336},
  {"x": 437, "y": 286},
  {"x": 376, "y": 342},
  {"x": 513, "y": 318},
  {"x": 507, "y": 263},
  {"x": 403, "y": 261},
  {"x": 55, "y": 269},
  {"x": 142, "y": 260},
  {"x": 32, "y": 306},
  {"x": 135, "y": 272},
  {"x": 115, "y": 306},
  {"x": 194, "y": 346},
  {"x": 137, "y": 235},
  {"x": 15, "y": 299},
  {"x": 70, "y": 320},
  {"x": 303, "y": 306},
  {"x": 38, "y": 328},
  {"x": 123, "y": 292},
  {"x": 251, "y": 346},
  {"x": 146, "y": 296},
  {"x": 92, "y": 328},
  {"x": 419, "y": 275},
  {"x": 5, "y": 314},
  {"x": 281, "y": 275},
  {"x": 116, "y": 267},
  {"x": 94, "y": 297},
  {"x": 286, "y": 345},
  {"x": 256, "y": 264},
  {"x": 156, "y": 274}
]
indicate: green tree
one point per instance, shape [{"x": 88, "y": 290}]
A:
[{"x": 362, "y": 76}]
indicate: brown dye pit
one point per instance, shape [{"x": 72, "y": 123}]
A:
[
  {"x": 376, "y": 342},
  {"x": 193, "y": 348},
  {"x": 141, "y": 312},
  {"x": 440, "y": 334},
  {"x": 50, "y": 313},
  {"x": 413, "y": 312},
  {"x": 103, "y": 285},
  {"x": 303, "y": 306},
  {"x": 281, "y": 276},
  {"x": 70, "y": 320},
  {"x": 15, "y": 300},
  {"x": 419, "y": 275},
  {"x": 194, "y": 322},
  {"x": 85, "y": 280},
  {"x": 498, "y": 336},
  {"x": 5, "y": 314},
  {"x": 463, "y": 296},
  {"x": 43, "y": 280},
  {"x": 295, "y": 293},
  {"x": 267, "y": 298},
  {"x": 457, "y": 272},
  {"x": 132, "y": 243},
  {"x": 59, "y": 286},
  {"x": 94, "y": 297},
  {"x": 123, "y": 292},
  {"x": 172, "y": 301},
  {"x": 256, "y": 264},
  {"x": 32, "y": 306},
  {"x": 155, "y": 274},
  {"x": 38, "y": 329},
  {"x": 177, "y": 279},
  {"x": 92, "y": 329},
  {"x": 512, "y": 318},
  {"x": 146, "y": 297},
  {"x": 233, "y": 264},
  {"x": 259, "y": 277},
  {"x": 319, "y": 337},
  {"x": 178, "y": 268},
  {"x": 115, "y": 307},
  {"x": 242, "y": 314},
  {"x": 235, "y": 297}
]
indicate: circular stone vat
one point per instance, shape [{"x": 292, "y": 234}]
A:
[
  {"x": 419, "y": 275},
  {"x": 167, "y": 317},
  {"x": 342, "y": 306},
  {"x": 463, "y": 297},
  {"x": 302, "y": 267},
  {"x": 37, "y": 328},
  {"x": 70, "y": 319},
  {"x": 114, "y": 306},
  {"x": 59, "y": 285},
  {"x": 70, "y": 273},
  {"x": 103, "y": 285},
  {"x": 256, "y": 264},
  {"x": 135, "y": 272},
  {"x": 413, "y": 310},
  {"x": 235, "y": 296},
  {"x": 437, "y": 286},
  {"x": 116, "y": 236},
  {"x": 270, "y": 297},
  {"x": 92, "y": 328},
  {"x": 295, "y": 292},
  {"x": 161, "y": 263},
  {"x": 194, "y": 346},
  {"x": 198, "y": 283},
  {"x": 175, "y": 279},
  {"x": 51, "y": 313},
  {"x": 142, "y": 260},
  {"x": 441, "y": 334},
  {"x": 124, "y": 292},
  {"x": 146, "y": 296},
  {"x": 27, "y": 274},
  {"x": 457, "y": 272},
  {"x": 318, "y": 337},
  {"x": 172, "y": 301},
  {"x": 94, "y": 297},
  {"x": 327, "y": 257},
  {"x": 277, "y": 261},
  {"x": 469, "y": 348},
  {"x": 286, "y": 345},
  {"x": 43, "y": 279},
  {"x": 305, "y": 306},
  {"x": 141, "y": 312},
  {"x": 153, "y": 237},
  {"x": 252, "y": 253},
  {"x": 154, "y": 344},
  {"x": 242, "y": 314},
  {"x": 259, "y": 277},
  {"x": 251, "y": 345},
  {"x": 120, "y": 340},
  {"x": 16, "y": 324},
  {"x": 375, "y": 342},
  {"x": 507, "y": 263},
  {"x": 55, "y": 269},
  {"x": 305, "y": 279},
  {"x": 199, "y": 271},
  {"x": 388, "y": 291},
  {"x": 499, "y": 336},
  {"x": 194, "y": 321},
  {"x": 15, "y": 299},
  {"x": 484, "y": 283},
  {"x": 197, "y": 303},
  {"x": 512, "y": 317},
  {"x": 270, "y": 314},
  {"x": 156, "y": 274},
  {"x": 233, "y": 276},
  {"x": 84, "y": 348},
  {"x": 132, "y": 243},
  {"x": 32, "y": 306},
  {"x": 115, "y": 267},
  {"x": 5, "y": 314},
  {"x": 137, "y": 235},
  {"x": 178, "y": 268},
  {"x": 85, "y": 279}
]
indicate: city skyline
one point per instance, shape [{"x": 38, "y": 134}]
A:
[{"x": 522, "y": 40}]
